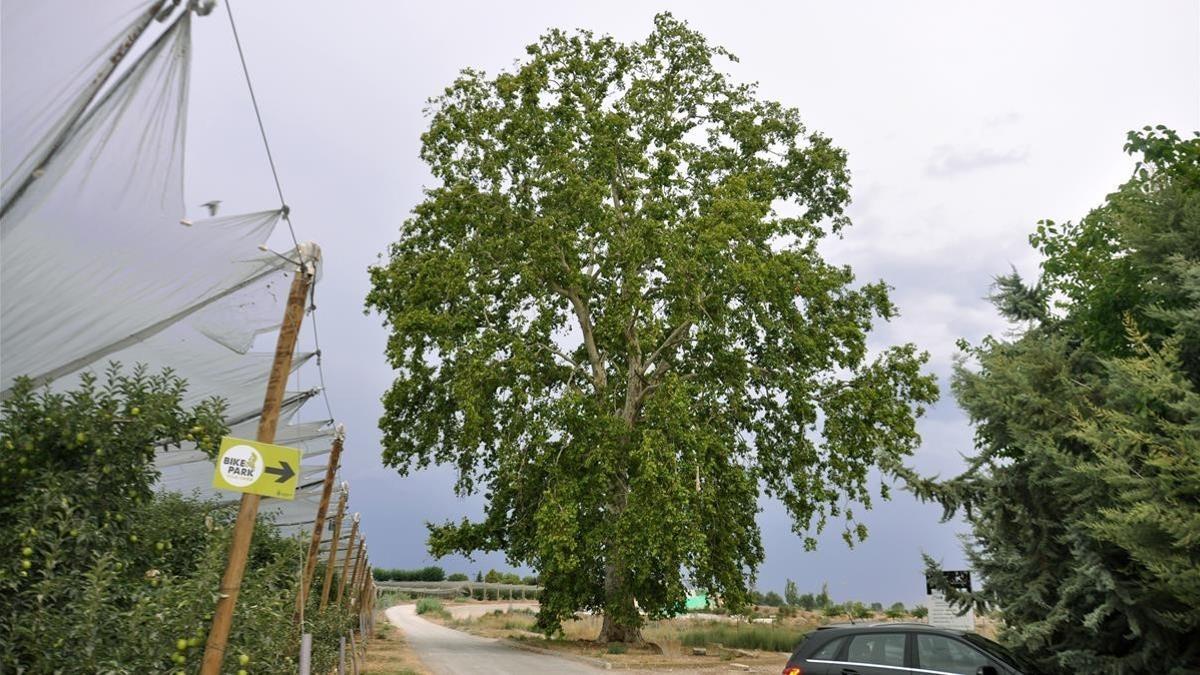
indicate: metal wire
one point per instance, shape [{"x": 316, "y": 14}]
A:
[{"x": 282, "y": 203}]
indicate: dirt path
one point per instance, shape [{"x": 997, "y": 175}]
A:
[
  {"x": 474, "y": 611},
  {"x": 448, "y": 651}
]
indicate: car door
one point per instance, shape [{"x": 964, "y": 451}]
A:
[
  {"x": 871, "y": 654},
  {"x": 944, "y": 655}
]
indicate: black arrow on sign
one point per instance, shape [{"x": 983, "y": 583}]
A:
[{"x": 284, "y": 471}]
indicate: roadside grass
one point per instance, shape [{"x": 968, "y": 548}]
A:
[
  {"x": 432, "y": 606},
  {"x": 388, "y": 652},
  {"x": 499, "y": 620},
  {"x": 763, "y": 637},
  {"x": 671, "y": 637}
]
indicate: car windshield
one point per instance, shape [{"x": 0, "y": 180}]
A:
[{"x": 1002, "y": 653}]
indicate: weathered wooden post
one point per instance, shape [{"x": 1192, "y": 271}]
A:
[
  {"x": 346, "y": 562},
  {"x": 243, "y": 529},
  {"x": 334, "y": 544},
  {"x": 310, "y": 565},
  {"x": 362, "y": 545}
]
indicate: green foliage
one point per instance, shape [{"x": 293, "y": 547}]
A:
[
  {"x": 110, "y": 576},
  {"x": 858, "y": 610},
  {"x": 772, "y": 599},
  {"x": 823, "y": 599},
  {"x": 790, "y": 595},
  {"x": 1084, "y": 496},
  {"x": 430, "y": 606},
  {"x": 613, "y": 287},
  {"x": 495, "y": 577},
  {"x": 766, "y": 637},
  {"x": 896, "y": 611},
  {"x": 431, "y": 573},
  {"x": 457, "y": 576},
  {"x": 920, "y": 611},
  {"x": 833, "y": 609}
]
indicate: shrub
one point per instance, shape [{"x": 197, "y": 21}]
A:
[
  {"x": 920, "y": 611},
  {"x": 832, "y": 609},
  {"x": 765, "y": 637},
  {"x": 430, "y": 605},
  {"x": 772, "y": 599},
  {"x": 458, "y": 576},
  {"x": 896, "y": 611}
]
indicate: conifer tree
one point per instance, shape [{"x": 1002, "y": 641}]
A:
[{"x": 1084, "y": 491}]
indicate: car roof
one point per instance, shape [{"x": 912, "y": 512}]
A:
[{"x": 890, "y": 626}]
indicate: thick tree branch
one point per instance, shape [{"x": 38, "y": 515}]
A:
[
  {"x": 584, "y": 316},
  {"x": 674, "y": 338}
]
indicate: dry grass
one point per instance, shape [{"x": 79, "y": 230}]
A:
[
  {"x": 388, "y": 653},
  {"x": 664, "y": 648}
]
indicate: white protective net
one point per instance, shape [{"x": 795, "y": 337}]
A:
[{"x": 97, "y": 261}]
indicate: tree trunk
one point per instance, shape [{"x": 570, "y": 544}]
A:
[{"x": 621, "y": 620}]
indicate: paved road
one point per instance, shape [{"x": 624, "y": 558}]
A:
[{"x": 451, "y": 652}]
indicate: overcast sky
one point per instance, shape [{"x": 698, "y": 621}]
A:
[{"x": 965, "y": 123}]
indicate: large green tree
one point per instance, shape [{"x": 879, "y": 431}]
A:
[
  {"x": 1084, "y": 493},
  {"x": 611, "y": 316}
]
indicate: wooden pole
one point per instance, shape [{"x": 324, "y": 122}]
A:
[
  {"x": 243, "y": 529},
  {"x": 314, "y": 547},
  {"x": 346, "y": 562},
  {"x": 333, "y": 547},
  {"x": 361, "y": 575},
  {"x": 362, "y": 546}
]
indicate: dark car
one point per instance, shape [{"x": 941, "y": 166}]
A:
[{"x": 897, "y": 648}]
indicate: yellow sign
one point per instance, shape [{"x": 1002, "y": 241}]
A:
[{"x": 259, "y": 468}]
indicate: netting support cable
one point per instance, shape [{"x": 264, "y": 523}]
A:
[{"x": 284, "y": 209}]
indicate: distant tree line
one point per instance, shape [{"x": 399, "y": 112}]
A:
[
  {"x": 793, "y": 600},
  {"x": 432, "y": 573},
  {"x": 435, "y": 573}
]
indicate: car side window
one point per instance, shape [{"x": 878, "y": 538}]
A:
[
  {"x": 830, "y": 649},
  {"x": 885, "y": 649},
  {"x": 937, "y": 652}
]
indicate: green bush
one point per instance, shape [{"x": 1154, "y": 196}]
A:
[
  {"x": 896, "y": 611},
  {"x": 764, "y": 637},
  {"x": 111, "y": 576},
  {"x": 458, "y": 576},
  {"x": 920, "y": 611},
  {"x": 428, "y": 605},
  {"x": 833, "y": 609}
]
